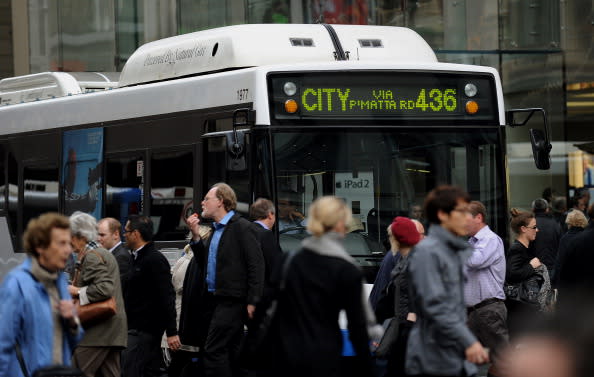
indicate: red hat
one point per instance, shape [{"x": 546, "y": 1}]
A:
[{"x": 405, "y": 231}]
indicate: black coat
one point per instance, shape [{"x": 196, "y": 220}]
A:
[
  {"x": 576, "y": 271},
  {"x": 547, "y": 239},
  {"x": 239, "y": 275},
  {"x": 149, "y": 296},
  {"x": 560, "y": 265},
  {"x": 270, "y": 249},
  {"x": 518, "y": 263},
  {"x": 308, "y": 340},
  {"x": 124, "y": 259}
]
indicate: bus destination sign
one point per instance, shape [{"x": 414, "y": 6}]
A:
[
  {"x": 381, "y": 99},
  {"x": 382, "y": 94}
]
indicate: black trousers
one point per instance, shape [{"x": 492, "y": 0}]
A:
[
  {"x": 225, "y": 317},
  {"x": 489, "y": 324},
  {"x": 142, "y": 357}
]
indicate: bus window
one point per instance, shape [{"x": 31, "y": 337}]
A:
[
  {"x": 41, "y": 191},
  {"x": 171, "y": 193},
  {"x": 216, "y": 171},
  {"x": 124, "y": 179},
  {"x": 379, "y": 174}
]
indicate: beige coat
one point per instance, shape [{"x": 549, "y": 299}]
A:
[{"x": 101, "y": 276}]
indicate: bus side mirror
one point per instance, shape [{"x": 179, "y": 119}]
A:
[
  {"x": 235, "y": 152},
  {"x": 540, "y": 149},
  {"x": 541, "y": 146}
]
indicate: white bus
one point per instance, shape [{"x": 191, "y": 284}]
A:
[{"x": 287, "y": 112}]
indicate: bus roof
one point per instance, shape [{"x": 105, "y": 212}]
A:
[
  {"x": 253, "y": 45},
  {"x": 47, "y": 85}
]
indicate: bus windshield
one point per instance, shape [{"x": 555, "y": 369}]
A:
[{"x": 381, "y": 174}]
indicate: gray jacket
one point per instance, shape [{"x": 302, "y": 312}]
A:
[{"x": 439, "y": 338}]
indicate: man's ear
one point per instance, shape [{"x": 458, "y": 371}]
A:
[{"x": 442, "y": 216}]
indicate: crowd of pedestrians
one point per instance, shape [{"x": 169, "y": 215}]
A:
[{"x": 450, "y": 300}]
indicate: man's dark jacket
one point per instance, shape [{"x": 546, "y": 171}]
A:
[
  {"x": 239, "y": 276},
  {"x": 124, "y": 259},
  {"x": 546, "y": 244},
  {"x": 270, "y": 249},
  {"x": 149, "y": 297}
]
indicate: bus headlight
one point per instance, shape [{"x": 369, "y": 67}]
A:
[
  {"x": 470, "y": 90},
  {"x": 290, "y": 88},
  {"x": 291, "y": 106}
]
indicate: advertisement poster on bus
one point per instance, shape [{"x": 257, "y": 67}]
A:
[{"x": 82, "y": 160}]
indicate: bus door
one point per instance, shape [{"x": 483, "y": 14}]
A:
[
  {"x": 124, "y": 182},
  {"x": 226, "y": 159}
]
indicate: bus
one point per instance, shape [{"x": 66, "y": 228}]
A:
[{"x": 287, "y": 112}]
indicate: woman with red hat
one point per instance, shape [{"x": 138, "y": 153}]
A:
[{"x": 403, "y": 235}]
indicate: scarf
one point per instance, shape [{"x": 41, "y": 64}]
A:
[
  {"x": 48, "y": 280},
  {"x": 330, "y": 245}
]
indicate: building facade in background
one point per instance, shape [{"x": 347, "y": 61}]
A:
[{"x": 543, "y": 50}]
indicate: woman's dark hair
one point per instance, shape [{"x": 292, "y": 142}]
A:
[
  {"x": 443, "y": 198},
  {"x": 520, "y": 219}
]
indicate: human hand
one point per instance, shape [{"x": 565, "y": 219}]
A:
[
  {"x": 173, "y": 342},
  {"x": 535, "y": 263},
  {"x": 66, "y": 309},
  {"x": 250, "y": 310},
  {"x": 73, "y": 291},
  {"x": 476, "y": 354},
  {"x": 194, "y": 224}
]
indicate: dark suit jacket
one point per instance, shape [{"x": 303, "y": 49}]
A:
[
  {"x": 270, "y": 249},
  {"x": 149, "y": 295},
  {"x": 124, "y": 259},
  {"x": 239, "y": 276}
]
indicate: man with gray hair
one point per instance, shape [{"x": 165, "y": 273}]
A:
[
  {"x": 549, "y": 233},
  {"x": 225, "y": 281}
]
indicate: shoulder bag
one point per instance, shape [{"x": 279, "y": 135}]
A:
[
  {"x": 525, "y": 291},
  {"x": 51, "y": 371},
  {"x": 390, "y": 325},
  {"x": 95, "y": 311}
]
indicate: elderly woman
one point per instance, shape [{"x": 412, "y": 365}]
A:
[
  {"x": 35, "y": 307},
  {"x": 97, "y": 278},
  {"x": 564, "y": 275},
  {"x": 321, "y": 280}
]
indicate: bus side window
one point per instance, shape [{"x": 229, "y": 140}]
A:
[
  {"x": 216, "y": 155},
  {"x": 171, "y": 192}
]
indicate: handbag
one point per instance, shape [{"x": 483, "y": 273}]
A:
[
  {"x": 525, "y": 291},
  {"x": 94, "y": 312},
  {"x": 51, "y": 371},
  {"x": 390, "y": 325}
]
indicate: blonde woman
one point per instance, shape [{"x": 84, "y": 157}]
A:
[{"x": 321, "y": 280}]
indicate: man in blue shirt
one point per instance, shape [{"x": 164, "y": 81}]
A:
[
  {"x": 226, "y": 278},
  {"x": 483, "y": 290}
]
